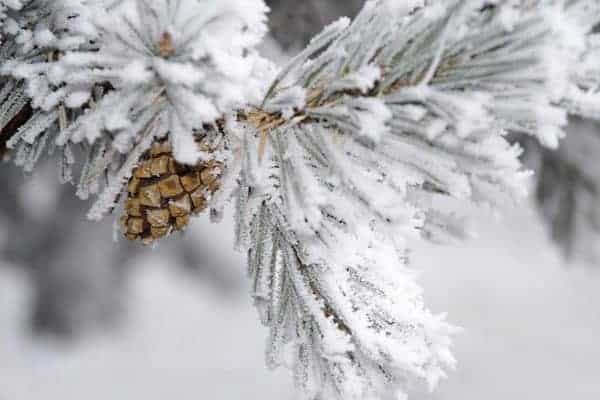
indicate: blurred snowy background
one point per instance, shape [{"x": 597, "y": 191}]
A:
[{"x": 84, "y": 318}]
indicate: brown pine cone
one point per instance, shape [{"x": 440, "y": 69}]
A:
[{"x": 163, "y": 194}]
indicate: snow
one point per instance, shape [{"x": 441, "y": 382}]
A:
[
  {"x": 531, "y": 327},
  {"x": 175, "y": 346},
  {"x": 364, "y": 79},
  {"x": 373, "y": 117},
  {"x": 531, "y": 323},
  {"x": 469, "y": 159},
  {"x": 182, "y": 339}
]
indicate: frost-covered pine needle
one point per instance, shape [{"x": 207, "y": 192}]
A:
[{"x": 362, "y": 142}]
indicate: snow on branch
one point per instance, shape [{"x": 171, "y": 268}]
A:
[
  {"x": 352, "y": 327},
  {"x": 339, "y": 162},
  {"x": 355, "y": 140},
  {"x": 183, "y": 62},
  {"x": 192, "y": 54},
  {"x": 33, "y": 34}
]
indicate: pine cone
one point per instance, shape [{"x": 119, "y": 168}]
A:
[{"x": 163, "y": 194}]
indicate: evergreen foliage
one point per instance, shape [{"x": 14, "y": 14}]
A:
[{"x": 362, "y": 142}]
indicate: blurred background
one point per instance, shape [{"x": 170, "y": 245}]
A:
[{"x": 84, "y": 318}]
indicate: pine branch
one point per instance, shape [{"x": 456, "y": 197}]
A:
[
  {"x": 33, "y": 33},
  {"x": 414, "y": 114},
  {"x": 356, "y": 139},
  {"x": 340, "y": 320},
  {"x": 347, "y": 156},
  {"x": 164, "y": 61}
]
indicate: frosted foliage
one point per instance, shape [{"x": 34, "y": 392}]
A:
[
  {"x": 401, "y": 107},
  {"x": 184, "y": 61},
  {"x": 339, "y": 163},
  {"x": 46, "y": 24},
  {"x": 151, "y": 69},
  {"x": 453, "y": 79},
  {"x": 32, "y": 32},
  {"x": 343, "y": 312}
]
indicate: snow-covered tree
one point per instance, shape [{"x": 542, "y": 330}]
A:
[{"x": 364, "y": 140}]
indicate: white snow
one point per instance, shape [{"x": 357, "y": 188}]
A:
[
  {"x": 531, "y": 323},
  {"x": 531, "y": 328}
]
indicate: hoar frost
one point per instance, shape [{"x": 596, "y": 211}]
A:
[{"x": 335, "y": 165}]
